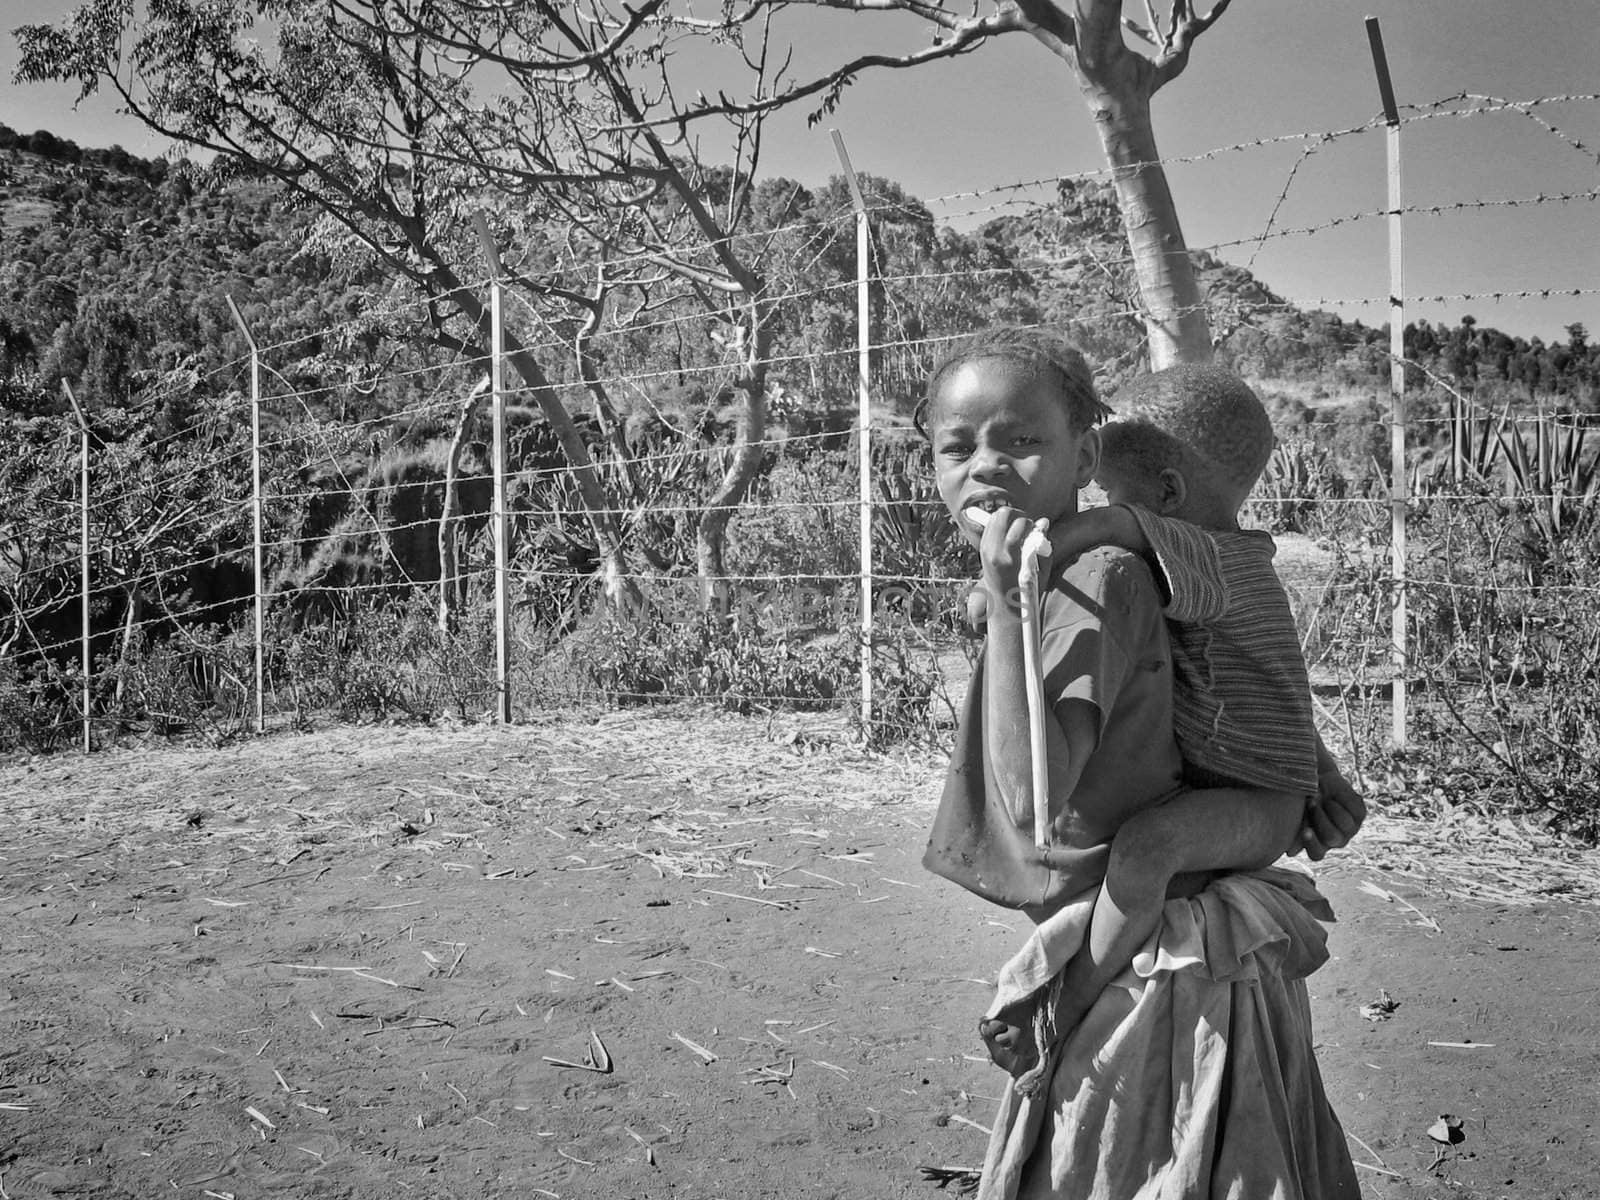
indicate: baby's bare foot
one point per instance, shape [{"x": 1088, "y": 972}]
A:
[{"x": 1010, "y": 1040}]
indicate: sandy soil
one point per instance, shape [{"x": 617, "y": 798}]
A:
[{"x": 367, "y": 963}]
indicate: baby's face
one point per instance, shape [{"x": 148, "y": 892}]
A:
[
  {"x": 1125, "y": 483},
  {"x": 1001, "y": 439}
]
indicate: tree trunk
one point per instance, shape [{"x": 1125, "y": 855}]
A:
[
  {"x": 711, "y": 537},
  {"x": 1118, "y": 84},
  {"x": 450, "y": 589},
  {"x": 130, "y": 630},
  {"x": 620, "y": 591},
  {"x": 1175, "y": 316}
]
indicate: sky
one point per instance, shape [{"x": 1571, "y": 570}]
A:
[{"x": 1283, "y": 73}]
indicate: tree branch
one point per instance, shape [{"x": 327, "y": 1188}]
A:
[
  {"x": 1050, "y": 25},
  {"x": 966, "y": 36},
  {"x": 637, "y": 18},
  {"x": 1186, "y": 26}
]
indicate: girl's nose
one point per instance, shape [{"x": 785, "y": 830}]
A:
[{"x": 988, "y": 463}]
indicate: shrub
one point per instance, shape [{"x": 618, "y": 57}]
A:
[{"x": 35, "y": 714}]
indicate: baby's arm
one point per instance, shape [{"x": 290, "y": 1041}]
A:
[
  {"x": 1111, "y": 526},
  {"x": 1072, "y": 536},
  {"x": 1184, "y": 557}
]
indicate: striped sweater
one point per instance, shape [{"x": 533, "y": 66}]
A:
[{"x": 1241, "y": 699}]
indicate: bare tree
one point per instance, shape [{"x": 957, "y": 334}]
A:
[
  {"x": 396, "y": 118},
  {"x": 1116, "y": 81},
  {"x": 572, "y": 121}
]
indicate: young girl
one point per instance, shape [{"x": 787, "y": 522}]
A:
[
  {"x": 1188, "y": 446},
  {"x": 1171, "y": 1084}
]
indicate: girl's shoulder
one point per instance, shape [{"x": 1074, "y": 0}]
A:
[
  {"x": 1104, "y": 570},
  {"x": 1108, "y": 585}
]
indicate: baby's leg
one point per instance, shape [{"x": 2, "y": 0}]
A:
[
  {"x": 1218, "y": 829},
  {"x": 1211, "y": 830}
]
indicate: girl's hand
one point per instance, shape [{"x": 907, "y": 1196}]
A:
[{"x": 1001, "y": 554}]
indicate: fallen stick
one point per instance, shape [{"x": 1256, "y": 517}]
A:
[
  {"x": 1379, "y": 1170},
  {"x": 1384, "y": 894},
  {"x": 697, "y": 1048},
  {"x": 984, "y": 1129},
  {"x": 358, "y": 972},
  {"x": 752, "y": 899}
]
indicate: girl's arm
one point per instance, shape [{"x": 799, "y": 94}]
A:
[{"x": 1071, "y": 734}]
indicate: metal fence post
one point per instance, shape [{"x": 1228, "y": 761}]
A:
[
  {"x": 502, "y": 608},
  {"x": 83, "y": 555},
  {"x": 1399, "y": 497},
  {"x": 864, "y": 405},
  {"x": 255, "y": 511}
]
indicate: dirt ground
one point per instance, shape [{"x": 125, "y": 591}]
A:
[{"x": 366, "y": 963}]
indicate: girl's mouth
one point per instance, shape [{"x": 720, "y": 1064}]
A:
[{"x": 979, "y": 512}]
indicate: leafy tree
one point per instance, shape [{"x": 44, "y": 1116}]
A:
[{"x": 38, "y": 572}]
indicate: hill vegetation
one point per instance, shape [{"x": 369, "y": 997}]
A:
[
  {"x": 116, "y": 275},
  {"x": 116, "y": 271}
]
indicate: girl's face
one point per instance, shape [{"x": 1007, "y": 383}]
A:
[{"x": 1001, "y": 439}]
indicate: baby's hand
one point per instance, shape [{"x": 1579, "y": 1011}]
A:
[
  {"x": 1333, "y": 818},
  {"x": 1077, "y": 534}
]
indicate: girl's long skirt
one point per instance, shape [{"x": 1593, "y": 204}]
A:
[{"x": 1192, "y": 1077}]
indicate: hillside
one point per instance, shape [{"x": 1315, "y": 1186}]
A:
[{"x": 115, "y": 272}]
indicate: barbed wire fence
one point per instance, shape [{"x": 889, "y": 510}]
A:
[{"x": 353, "y": 520}]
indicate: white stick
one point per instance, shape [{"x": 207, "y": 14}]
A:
[
  {"x": 83, "y": 562},
  {"x": 1034, "y": 547}
]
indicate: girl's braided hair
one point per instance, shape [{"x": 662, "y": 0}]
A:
[{"x": 1040, "y": 350}]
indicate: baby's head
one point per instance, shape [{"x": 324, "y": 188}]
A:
[{"x": 1190, "y": 441}]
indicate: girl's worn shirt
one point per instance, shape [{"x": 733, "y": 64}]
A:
[{"x": 1103, "y": 639}]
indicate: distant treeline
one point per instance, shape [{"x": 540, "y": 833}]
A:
[{"x": 114, "y": 158}]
